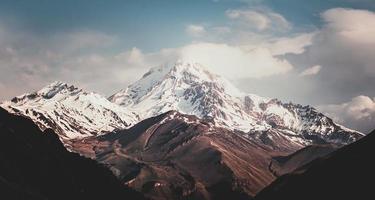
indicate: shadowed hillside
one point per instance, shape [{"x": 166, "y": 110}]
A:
[
  {"x": 347, "y": 173},
  {"x": 35, "y": 165}
]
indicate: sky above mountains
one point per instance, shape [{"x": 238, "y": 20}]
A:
[{"x": 310, "y": 52}]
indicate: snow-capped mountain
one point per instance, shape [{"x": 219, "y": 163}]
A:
[
  {"x": 70, "y": 111},
  {"x": 188, "y": 88},
  {"x": 191, "y": 89}
]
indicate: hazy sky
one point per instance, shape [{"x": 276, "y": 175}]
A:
[{"x": 318, "y": 52}]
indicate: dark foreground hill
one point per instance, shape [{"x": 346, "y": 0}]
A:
[
  {"x": 35, "y": 165},
  {"x": 347, "y": 173}
]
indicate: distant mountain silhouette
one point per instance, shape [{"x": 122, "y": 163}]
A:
[
  {"x": 347, "y": 173},
  {"x": 35, "y": 165}
]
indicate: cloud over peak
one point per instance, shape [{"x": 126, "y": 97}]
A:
[{"x": 229, "y": 60}]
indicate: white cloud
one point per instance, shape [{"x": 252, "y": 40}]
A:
[
  {"x": 311, "y": 71},
  {"x": 359, "y": 113},
  {"x": 195, "y": 30},
  {"x": 287, "y": 45},
  {"x": 29, "y": 61},
  {"x": 279, "y": 46},
  {"x": 259, "y": 20},
  {"x": 279, "y": 20},
  {"x": 253, "y": 18},
  {"x": 222, "y": 59},
  {"x": 349, "y": 24},
  {"x": 345, "y": 47},
  {"x": 349, "y": 37},
  {"x": 235, "y": 62},
  {"x": 133, "y": 57}
]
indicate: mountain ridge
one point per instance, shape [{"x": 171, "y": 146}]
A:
[
  {"x": 70, "y": 111},
  {"x": 178, "y": 156},
  {"x": 189, "y": 88}
]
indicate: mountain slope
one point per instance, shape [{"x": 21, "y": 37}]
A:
[
  {"x": 347, "y": 173},
  {"x": 191, "y": 89},
  {"x": 70, "y": 111},
  {"x": 176, "y": 156},
  {"x": 35, "y": 165}
]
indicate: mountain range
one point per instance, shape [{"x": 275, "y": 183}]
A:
[
  {"x": 188, "y": 88},
  {"x": 183, "y": 132}
]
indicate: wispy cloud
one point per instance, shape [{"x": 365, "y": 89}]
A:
[
  {"x": 29, "y": 61},
  {"x": 311, "y": 71},
  {"x": 259, "y": 19},
  {"x": 195, "y": 30}
]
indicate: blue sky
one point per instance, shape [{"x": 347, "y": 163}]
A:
[
  {"x": 151, "y": 25},
  {"x": 317, "y": 52}
]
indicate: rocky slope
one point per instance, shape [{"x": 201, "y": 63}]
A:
[{"x": 177, "y": 156}]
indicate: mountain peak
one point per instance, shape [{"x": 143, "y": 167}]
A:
[
  {"x": 50, "y": 91},
  {"x": 190, "y": 88},
  {"x": 70, "y": 111},
  {"x": 177, "y": 77},
  {"x": 57, "y": 87},
  {"x": 189, "y": 68},
  {"x": 181, "y": 70}
]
